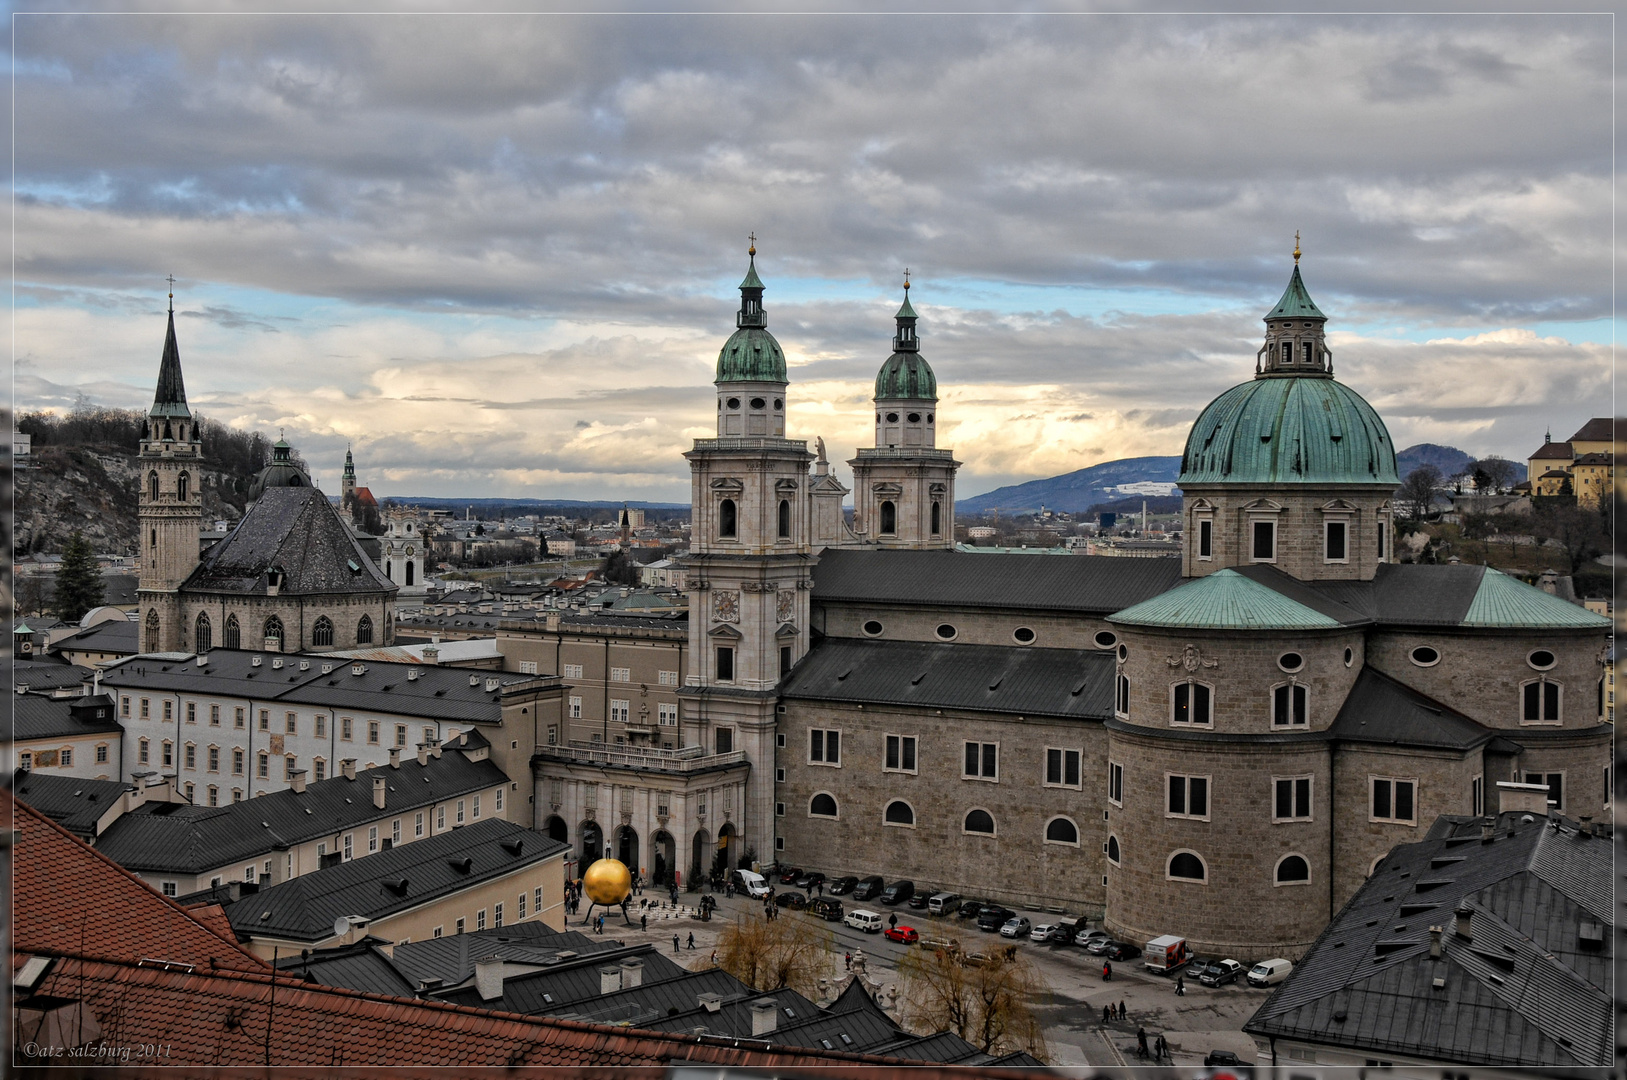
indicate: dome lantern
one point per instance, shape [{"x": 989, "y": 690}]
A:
[{"x": 1295, "y": 341}]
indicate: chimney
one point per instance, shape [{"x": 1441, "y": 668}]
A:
[
  {"x": 378, "y": 792},
  {"x": 1465, "y": 923},
  {"x": 632, "y": 973},
  {"x": 1434, "y": 943},
  {"x": 423, "y": 753},
  {"x": 348, "y": 768},
  {"x": 432, "y": 651},
  {"x": 710, "y": 1002},
  {"x": 296, "y": 780},
  {"x": 489, "y": 977},
  {"x": 435, "y": 748},
  {"x": 395, "y": 757},
  {"x": 764, "y": 1017},
  {"x": 1522, "y": 798},
  {"x": 1488, "y": 826},
  {"x": 552, "y": 622},
  {"x": 609, "y": 980}
]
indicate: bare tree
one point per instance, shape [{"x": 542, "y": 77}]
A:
[
  {"x": 1579, "y": 531},
  {"x": 1417, "y": 491},
  {"x": 987, "y": 1003},
  {"x": 768, "y": 955},
  {"x": 1498, "y": 471}
]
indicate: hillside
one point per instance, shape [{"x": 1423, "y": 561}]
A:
[{"x": 1072, "y": 492}]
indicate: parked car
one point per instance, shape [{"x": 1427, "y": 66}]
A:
[
  {"x": 1225, "y": 1059},
  {"x": 1084, "y": 937},
  {"x": 1016, "y": 926},
  {"x": 1099, "y": 946},
  {"x": 970, "y": 909},
  {"x": 919, "y": 901},
  {"x": 790, "y": 874},
  {"x": 826, "y": 908},
  {"x": 791, "y": 899},
  {"x": 866, "y": 921},
  {"x": 944, "y": 903},
  {"x": 811, "y": 880},
  {"x": 1269, "y": 972},
  {"x": 1220, "y": 972},
  {"x": 842, "y": 886},
  {"x": 1052, "y": 933},
  {"x": 1122, "y": 950},
  {"x": 868, "y": 887},
  {"x": 904, "y": 935},
  {"x": 897, "y": 892},
  {"x": 993, "y": 916},
  {"x": 753, "y": 885},
  {"x": 935, "y": 941}
]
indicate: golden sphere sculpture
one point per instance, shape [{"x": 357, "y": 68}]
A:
[{"x": 607, "y": 882}]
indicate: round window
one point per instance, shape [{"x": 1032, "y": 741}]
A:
[
  {"x": 734, "y": 403},
  {"x": 946, "y": 632},
  {"x": 1023, "y": 636},
  {"x": 1290, "y": 661},
  {"x": 1542, "y": 660},
  {"x": 892, "y": 418},
  {"x": 778, "y": 404},
  {"x": 872, "y": 628},
  {"x": 1106, "y": 639},
  {"x": 1124, "y": 652},
  {"x": 1424, "y": 656},
  {"x": 758, "y": 403},
  {"x": 1350, "y": 657},
  {"x": 915, "y": 418}
]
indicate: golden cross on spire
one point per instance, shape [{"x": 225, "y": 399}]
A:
[
  {"x": 1296, "y": 247},
  {"x": 906, "y": 279},
  {"x": 753, "y": 238},
  {"x": 171, "y": 280}
]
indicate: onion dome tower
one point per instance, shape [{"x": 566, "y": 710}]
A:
[
  {"x": 1291, "y": 469},
  {"x": 751, "y": 368},
  {"x": 904, "y": 486}
]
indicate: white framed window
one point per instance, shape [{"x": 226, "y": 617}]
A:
[
  {"x": 619, "y": 711},
  {"x": 536, "y": 901},
  {"x": 980, "y": 761},
  {"x": 528, "y": 667},
  {"x": 497, "y": 914},
  {"x": 1477, "y": 794},
  {"x": 576, "y": 708},
  {"x": 440, "y": 816},
  {"x": 1393, "y": 799},
  {"x": 573, "y": 671},
  {"x": 460, "y": 812},
  {"x": 825, "y": 746},
  {"x": 1289, "y": 705},
  {"x": 899, "y": 813},
  {"x": 349, "y": 846},
  {"x": 899, "y": 754},
  {"x": 1541, "y": 702},
  {"x": 1113, "y": 850},
  {"x": 1336, "y": 540},
  {"x": 1062, "y": 830},
  {"x": 1189, "y": 866},
  {"x": 1291, "y": 798},
  {"x": 823, "y": 804},
  {"x": 170, "y": 889},
  {"x": 621, "y": 674},
  {"x": 667, "y": 678},
  {"x": 1206, "y": 537},
  {"x": 1192, "y": 703},
  {"x": 474, "y": 808},
  {"x": 1292, "y": 869},
  {"x": 520, "y": 909},
  {"x": 1121, "y": 696},
  {"x": 418, "y": 824},
  {"x": 666, "y": 713},
  {"x": 1062, "y": 767},
  {"x": 372, "y": 839},
  {"x": 1188, "y": 796},
  {"x": 480, "y": 919},
  {"x": 1263, "y": 540},
  {"x": 1115, "y": 783},
  {"x": 395, "y": 833},
  {"x": 497, "y": 797},
  {"x": 977, "y": 822},
  {"x": 779, "y": 776}
]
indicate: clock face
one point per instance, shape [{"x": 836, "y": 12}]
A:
[{"x": 409, "y": 549}]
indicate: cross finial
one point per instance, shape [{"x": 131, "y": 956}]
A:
[
  {"x": 1296, "y": 247},
  {"x": 171, "y": 280},
  {"x": 906, "y": 279},
  {"x": 752, "y": 251}
]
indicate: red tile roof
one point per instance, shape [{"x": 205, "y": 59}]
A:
[{"x": 1553, "y": 450}]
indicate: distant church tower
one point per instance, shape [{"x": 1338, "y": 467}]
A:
[
  {"x": 750, "y": 565},
  {"x": 347, "y": 484},
  {"x": 904, "y": 487},
  {"x": 170, "y": 504},
  {"x": 403, "y": 553}
]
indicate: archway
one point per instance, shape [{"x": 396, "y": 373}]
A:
[
  {"x": 728, "y": 845},
  {"x": 700, "y": 856},
  {"x": 627, "y": 847},
  {"x": 557, "y": 829},
  {"x": 592, "y": 843},
  {"x": 666, "y": 857}
]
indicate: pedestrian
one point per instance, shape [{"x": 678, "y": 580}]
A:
[
  {"x": 644, "y": 923},
  {"x": 1124, "y": 1014},
  {"x": 1107, "y": 1014},
  {"x": 714, "y": 958},
  {"x": 1141, "y": 1041},
  {"x": 1163, "y": 1050},
  {"x": 1180, "y": 986},
  {"x": 847, "y": 962},
  {"x": 674, "y": 942},
  {"x": 892, "y": 920},
  {"x": 692, "y": 940},
  {"x": 1107, "y": 972}
]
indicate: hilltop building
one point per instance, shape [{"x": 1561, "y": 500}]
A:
[{"x": 1583, "y": 465}]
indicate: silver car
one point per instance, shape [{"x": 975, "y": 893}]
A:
[{"x": 1016, "y": 927}]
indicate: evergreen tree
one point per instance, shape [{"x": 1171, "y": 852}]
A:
[{"x": 78, "y": 580}]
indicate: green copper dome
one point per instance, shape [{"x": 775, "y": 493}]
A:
[
  {"x": 907, "y": 377},
  {"x": 1296, "y": 302},
  {"x": 751, "y": 355},
  {"x": 1289, "y": 430}
]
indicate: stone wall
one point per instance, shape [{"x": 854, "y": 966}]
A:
[
  {"x": 1300, "y": 511},
  {"x": 908, "y": 622}
]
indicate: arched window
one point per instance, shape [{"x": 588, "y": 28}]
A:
[
  {"x": 409, "y": 571},
  {"x": 152, "y": 486},
  {"x": 364, "y": 630},
  {"x": 899, "y": 812},
  {"x": 979, "y": 821},
  {"x": 1113, "y": 850},
  {"x": 785, "y": 519},
  {"x": 726, "y": 524},
  {"x": 889, "y": 518},
  {"x": 234, "y": 633},
  {"x": 152, "y": 643},
  {"x": 937, "y": 518},
  {"x": 322, "y": 632},
  {"x": 1187, "y": 866},
  {"x": 1060, "y": 830},
  {"x": 183, "y": 486},
  {"x": 1191, "y": 703},
  {"x": 822, "y": 805},
  {"x": 273, "y": 632},
  {"x": 1293, "y": 870},
  {"x": 1121, "y": 700},
  {"x": 1288, "y": 705},
  {"x": 203, "y": 638},
  {"x": 389, "y": 570}
]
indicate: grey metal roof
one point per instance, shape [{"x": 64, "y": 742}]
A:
[
  {"x": 304, "y": 908},
  {"x": 1522, "y": 989},
  {"x": 1086, "y": 584},
  {"x": 1075, "y": 683},
  {"x": 295, "y": 530},
  {"x": 39, "y": 675},
  {"x": 112, "y": 637},
  {"x": 186, "y": 839},
  {"x": 559, "y": 989},
  {"x": 1307, "y": 596},
  {"x": 35, "y": 716},
  {"x": 73, "y": 803},
  {"x": 1381, "y": 710}
]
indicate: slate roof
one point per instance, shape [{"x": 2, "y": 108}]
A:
[
  {"x": 296, "y": 530},
  {"x": 71, "y": 802},
  {"x": 304, "y": 908},
  {"x": 43, "y": 675},
  {"x": 1524, "y": 989},
  {"x": 1421, "y": 595},
  {"x": 1074, "y": 683},
  {"x": 1598, "y": 429},
  {"x": 110, "y": 637},
  {"x": 450, "y": 959},
  {"x": 1379, "y": 709},
  {"x": 1224, "y": 600},
  {"x": 1561, "y": 450},
  {"x": 186, "y": 839},
  {"x": 169, "y": 400},
  {"x": 1085, "y": 584},
  {"x": 35, "y": 716}
]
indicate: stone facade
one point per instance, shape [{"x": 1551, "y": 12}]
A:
[{"x": 1302, "y": 521}]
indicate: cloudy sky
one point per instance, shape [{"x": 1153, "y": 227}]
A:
[{"x": 498, "y": 254}]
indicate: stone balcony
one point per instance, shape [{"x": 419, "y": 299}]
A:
[{"x": 642, "y": 759}]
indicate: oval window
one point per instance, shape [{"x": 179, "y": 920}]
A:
[
  {"x": 946, "y": 632},
  {"x": 1542, "y": 660},
  {"x": 1424, "y": 656},
  {"x": 929, "y": 418},
  {"x": 1290, "y": 661},
  {"x": 1124, "y": 652},
  {"x": 892, "y": 418},
  {"x": 778, "y": 404},
  {"x": 872, "y": 627},
  {"x": 915, "y": 418},
  {"x": 1106, "y": 639},
  {"x": 734, "y": 403},
  {"x": 758, "y": 403},
  {"x": 1023, "y": 636},
  {"x": 1350, "y": 657}
]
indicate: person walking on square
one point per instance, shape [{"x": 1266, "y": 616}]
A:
[
  {"x": 1124, "y": 1014},
  {"x": 691, "y": 939},
  {"x": 644, "y": 923},
  {"x": 1107, "y": 1014},
  {"x": 1180, "y": 986},
  {"x": 674, "y": 942},
  {"x": 1141, "y": 1041}
]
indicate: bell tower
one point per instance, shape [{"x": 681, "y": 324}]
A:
[
  {"x": 170, "y": 505},
  {"x": 904, "y": 487},
  {"x": 750, "y": 562}
]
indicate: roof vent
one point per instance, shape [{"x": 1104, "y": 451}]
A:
[
  {"x": 277, "y": 662},
  {"x": 326, "y": 668},
  {"x": 358, "y": 669},
  {"x": 710, "y": 1002},
  {"x": 462, "y": 866},
  {"x": 514, "y": 846},
  {"x": 305, "y": 665},
  {"x": 203, "y": 659},
  {"x": 398, "y": 886},
  {"x": 474, "y": 680},
  {"x": 255, "y": 661},
  {"x": 412, "y": 674},
  {"x": 493, "y": 684}
]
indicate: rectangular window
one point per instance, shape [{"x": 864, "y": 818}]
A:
[
  {"x": 460, "y": 811},
  {"x": 191, "y": 712},
  {"x": 725, "y": 740},
  {"x": 346, "y": 728},
  {"x": 1477, "y": 795},
  {"x": 265, "y": 719},
  {"x": 725, "y": 663},
  {"x": 982, "y": 761},
  {"x": 1541, "y": 702},
  {"x": 1288, "y": 705},
  {"x": 621, "y": 674},
  {"x": 319, "y": 769},
  {"x": 900, "y": 753},
  {"x": 498, "y": 797},
  {"x": 520, "y": 909},
  {"x": 237, "y": 761},
  {"x": 1393, "y": 800},
  {"x": 214, "y": 759},
  {"x": 668, "y": 678},
  {"x": 440, "y": 817},
  {"x": 349, "y": 850},
  {"x": 779, "y": 809},
  {"x": 496, "y": 915},
  {"x": 1061, "y": 767},
  {"x": 239, "y": 714},
  {"x": 785, "y": 660},
  {"x": 101, "y": 757},
  {"x": 372, "y": 839},
  {"x": 169, "y": 709},
  {"x": 667, "y": 713},
  {"x": 372, "y": 733},
  {"x": 1115, "y": 783},
  {"x": 1191, "y": 703},
  {"x": 143, "y": 751},
  {"x": 401, "y": 734},
  {"x": 214, "y": 800},
  {"x": 264, "y": 767},
  {"x": 528, "y": 667},
  {"x": 291, "y": 721},
  {"x": 191, "y": 756},
  {"x": 1335, "y": 547},
  {"x": 824, "y": 746},
  {"x": 573, "y": 671},
  {"x": 124, "y": 706},
  {"x": 1556, "y": 787},
  {"x": 214, "y": 716},
  {"x": 576, "y": 708},
  {"x": 169, "y": 753},
  {"x": 146, "y": 708},
  {"x": 418, "y": 824},
  {"x": 321, "y": 726},
  {"x": 1383, "y": 530},
  {"x": 1265, "y": 541},
  {"x": 619, "y": 711},
  {"x": 67, "y": 762},
  {"x": 169, "y": 888},
  {"x": 480, "y": 919},
  {"x": 1206, "y": 538},
  {"x": 1293, "y": 799},
  {"x": 1188, "y": 796},
  {"x": 289, "y": 765},
  {"x": 475, "y": 809},
  {"x": 435, "y": 932},
  {"x": 536, "y": 901}
]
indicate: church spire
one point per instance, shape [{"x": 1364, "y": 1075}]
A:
[
  {"x": 905, "y": 340},
  {"x": 751, "y": 293},
  {"x": 170, "y": 400},
  {"x": 350, "y": 465}
]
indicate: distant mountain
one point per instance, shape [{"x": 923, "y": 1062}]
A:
[
  {"x": 1074, "y": 492},
  {"x": 1448, "y": 459},
  {"x": 510, "y": 506}
]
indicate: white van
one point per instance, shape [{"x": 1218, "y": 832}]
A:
[
  {"x": 867, "y": 921},
  {"x": 755, "y": 885},
  {"x": 1269, "y": 972}
]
